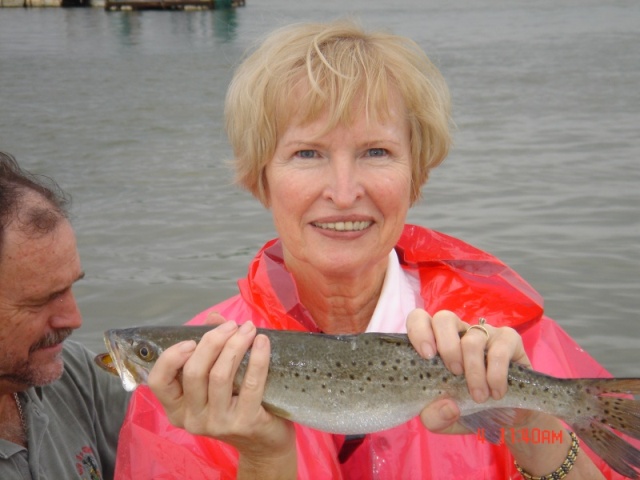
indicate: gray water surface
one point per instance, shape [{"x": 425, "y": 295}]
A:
[{"x": 124, "y": 109}]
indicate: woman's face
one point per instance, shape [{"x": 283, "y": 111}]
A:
[{"x": 339, "y": 199}]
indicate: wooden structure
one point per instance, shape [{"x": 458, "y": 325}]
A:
[{"x": 170, "y": 4}]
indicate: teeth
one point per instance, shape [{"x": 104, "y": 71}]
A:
[{"x": 344, "y": 226}]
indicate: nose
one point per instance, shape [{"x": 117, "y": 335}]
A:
[
  {"x": 66, "y": 313},
  {"x": 344, "y": 185}
]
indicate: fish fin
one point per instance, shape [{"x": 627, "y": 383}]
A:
[
  {"x": 393, "y": 338},
  {"x": 600, "y": 386},
  {"x": 622, "y": 414},
  {"x": 491, "y": 422},
  {"x": 277, "y": 411},
  {"x": 623, "y": 457},
  {"x": 607, "y": 412}
]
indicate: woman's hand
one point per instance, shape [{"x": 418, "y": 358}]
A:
[
  {"x": 204, "y": 402},
  {"x": 442, "y": 334},
  {"x": 466, "y": 354}
]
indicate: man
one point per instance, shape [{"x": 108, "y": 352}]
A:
[{"x": 59, "y": 415}]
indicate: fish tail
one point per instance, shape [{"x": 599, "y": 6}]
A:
[{"x": 605, "y": 412}]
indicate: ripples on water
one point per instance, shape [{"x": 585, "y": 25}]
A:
[{"x": 124, "y": 109}]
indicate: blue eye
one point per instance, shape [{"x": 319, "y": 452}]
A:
[
  {"x": 306, "y": 153},
  {"x": 377, "y": 152}
]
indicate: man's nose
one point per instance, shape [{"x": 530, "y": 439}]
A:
[{"x": 66, "y": 313}]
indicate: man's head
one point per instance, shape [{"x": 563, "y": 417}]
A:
[{"x": 39, "y": 263}]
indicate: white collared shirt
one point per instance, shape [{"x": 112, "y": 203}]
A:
[{"x": 400, "y": 295}]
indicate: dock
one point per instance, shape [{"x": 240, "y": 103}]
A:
[{"x": 171, "y": 4}]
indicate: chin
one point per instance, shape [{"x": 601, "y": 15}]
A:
[{"x": 44, "y": 374}]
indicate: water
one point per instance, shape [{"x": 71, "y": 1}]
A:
[{"x": 124, "y": 109}]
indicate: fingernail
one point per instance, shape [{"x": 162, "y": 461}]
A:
[
  {"x": 260, "y": 342},
  {"x": 447, "y": 413},
  {"x": 427, "y": 350},
  {"x": 186, "y": 346},
  {"x": 456, "y": 368},
  {"x": 479, "y": 395},
  {"x": 227, "y": 326},
  {"x": 246, "y": 327}
]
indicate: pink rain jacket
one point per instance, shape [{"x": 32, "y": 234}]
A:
[{"x": 453, "y": 276}]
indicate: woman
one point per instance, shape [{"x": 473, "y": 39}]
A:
[{"x": 335, "y": 131}]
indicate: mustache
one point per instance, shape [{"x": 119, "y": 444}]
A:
[{"x": 52, "y": 338}]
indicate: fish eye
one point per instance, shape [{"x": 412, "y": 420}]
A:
[{"x": 145, "y": 352}]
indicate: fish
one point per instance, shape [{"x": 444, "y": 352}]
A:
[{"x": 363, "y": 383}]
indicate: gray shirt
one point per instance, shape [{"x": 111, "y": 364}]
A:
[{"x": 72, "y": 424}]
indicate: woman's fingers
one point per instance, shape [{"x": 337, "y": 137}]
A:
[
  {"x": 441, "y": 416},
  {"x": 420, "y": 332},
  {"x": 482, "y": 353},
  {"x": 473, "y": 345},
  {"x": 163, "y": 379},
  {"x": 505, "y": 346},
  {"x": 252, "y": 389},
  {"x": 214, "y": 318},
  {"x": 447, "y": 328},
  {"x": 196, "y": 372}
]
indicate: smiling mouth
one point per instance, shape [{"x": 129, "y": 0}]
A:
[{"x": 343, "y": 226}]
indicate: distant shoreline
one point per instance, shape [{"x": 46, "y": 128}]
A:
[
  {"x": 30, "y": 3},
  {"x": 124, "y": 4}
]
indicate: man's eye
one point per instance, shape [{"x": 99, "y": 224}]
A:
[
  {"x": 306, "y": 153},
  {"x": 377, "y": 152}
]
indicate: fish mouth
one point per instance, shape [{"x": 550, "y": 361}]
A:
[{"x": 130, "y": 373}]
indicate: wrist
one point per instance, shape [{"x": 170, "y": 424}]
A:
[
  {"x": 539, "y": 444},
  {"x": 272, "y": 465}
]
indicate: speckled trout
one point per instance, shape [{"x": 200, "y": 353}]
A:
[{"x": 356, "y": 384}]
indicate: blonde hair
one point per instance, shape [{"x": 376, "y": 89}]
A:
[{"x": 337, "y": 62}]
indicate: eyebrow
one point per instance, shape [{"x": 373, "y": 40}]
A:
[{"x": 58, "y": 292}]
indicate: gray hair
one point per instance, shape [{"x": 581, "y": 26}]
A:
[{"x": 33, "y": 218}]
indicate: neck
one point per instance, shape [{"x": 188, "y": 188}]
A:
[
  {"x": 341, "y": 305},
  {"x": 11, "y": 423}
]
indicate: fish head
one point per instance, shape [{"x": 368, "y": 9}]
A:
[{"x": 132, "y": 355}]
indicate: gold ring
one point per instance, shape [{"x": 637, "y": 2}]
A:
[{"x": 480, "y": 326}]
